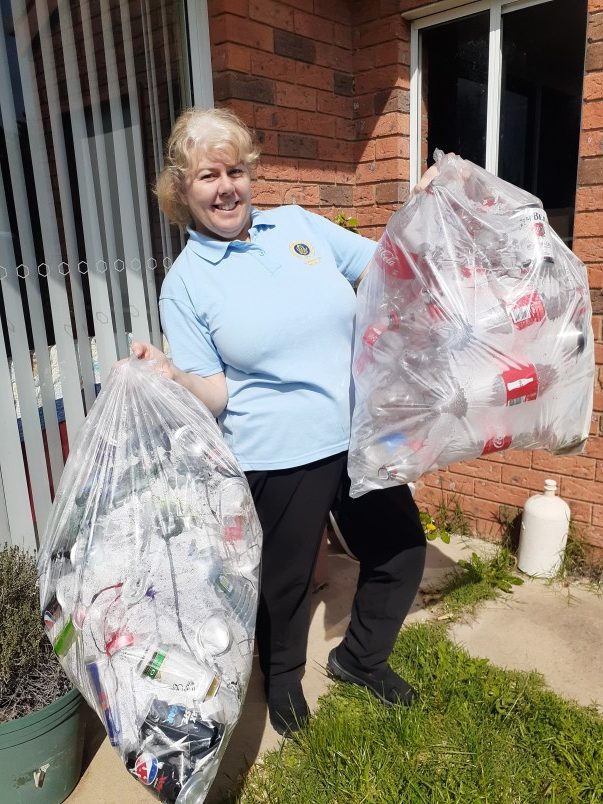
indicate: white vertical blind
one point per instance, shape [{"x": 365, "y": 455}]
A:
[
  {"x": 59, "y": 303},
  {"x": 125, "y": 194},
  {"x": 91, "y": 214},
  {"x": 102, "y": 155},
  {"x": 145, "y": 225},
  {"x": 29, "y": 263},
  {"x": 88, "y": 92},
  {"x": 200, "y": 54},
  {"x": 15, "y": 516},
  {"x": 30, "y": 419},
  {"x": 55, "y": 121}
]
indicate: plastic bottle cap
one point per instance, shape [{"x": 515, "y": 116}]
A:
[{"x": 214, "y": 635}]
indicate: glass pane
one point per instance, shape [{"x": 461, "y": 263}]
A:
[
  {"x": 543, "y": 62},
  {"x": 455, "y": 88}
]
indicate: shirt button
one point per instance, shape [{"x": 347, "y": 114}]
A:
[{"x": 262, "y": 253}]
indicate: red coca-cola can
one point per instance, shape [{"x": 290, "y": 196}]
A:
[{"x": 521, "y": 384}]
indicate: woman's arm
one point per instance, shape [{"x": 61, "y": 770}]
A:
[{"x": 212, "y": 390}]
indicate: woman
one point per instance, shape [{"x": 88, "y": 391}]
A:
[{"x": 258, "y": 310}]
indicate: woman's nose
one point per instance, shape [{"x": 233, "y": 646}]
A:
[{"x": 226, "y": 184}]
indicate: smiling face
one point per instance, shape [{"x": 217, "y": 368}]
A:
[{"x": 218, "y": 195}]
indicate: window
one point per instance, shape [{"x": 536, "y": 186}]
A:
[{"x": 500, "y": 83}]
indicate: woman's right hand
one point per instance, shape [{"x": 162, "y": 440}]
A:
[
  {"x": 146, "y": 351},
  {"x": 211, "y": 390}
]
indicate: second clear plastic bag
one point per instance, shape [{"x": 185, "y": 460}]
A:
[
  {"x": 149, "y": 574},
  {"x": 473, "y": 333}
]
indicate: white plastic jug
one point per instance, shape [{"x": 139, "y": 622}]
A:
[{"x": 544, "y": 529}]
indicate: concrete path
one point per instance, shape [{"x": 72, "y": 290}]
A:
[
  {"x": 547, "y": 627},
  {"x": 541, "y": 627}
]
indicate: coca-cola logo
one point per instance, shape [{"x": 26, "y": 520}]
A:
[
  {"x": 386, "y": 256},
  {"x": 392, "y": 260},
  {"x": 521, "y": 384}
]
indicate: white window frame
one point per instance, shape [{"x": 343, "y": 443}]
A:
[
  {"x": 201, "y": 89},
  {"x": 449, "y": 11}
]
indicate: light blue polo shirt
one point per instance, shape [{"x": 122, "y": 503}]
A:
[{"x": 276, "y": 315}]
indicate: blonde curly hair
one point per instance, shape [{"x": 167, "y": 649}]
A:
[{"x": 215, "y": 132}]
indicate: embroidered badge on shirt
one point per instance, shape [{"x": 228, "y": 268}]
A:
[{"x": 305, "y": 251}]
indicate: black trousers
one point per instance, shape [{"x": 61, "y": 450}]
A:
[{"x": 382, "y": 528}]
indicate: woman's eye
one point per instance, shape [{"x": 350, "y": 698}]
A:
[{"x": 235, "y": 172}]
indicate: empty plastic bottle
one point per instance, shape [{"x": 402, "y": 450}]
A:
[{"x": 239, "y": 593}]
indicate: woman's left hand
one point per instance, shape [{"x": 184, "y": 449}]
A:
[{"x": 425, "y": 179}]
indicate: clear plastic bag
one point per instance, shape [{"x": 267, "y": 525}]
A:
[
  {"x": 149, "y": 577},
  {"x": 473, "y": 333}
]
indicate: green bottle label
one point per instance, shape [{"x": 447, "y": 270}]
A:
[
  {"x": 225, "y": 585},
  {"x": 65, "y": 639},
  {"x": 153, "y": 667}
]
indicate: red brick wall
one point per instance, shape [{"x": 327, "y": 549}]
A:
[
  {"x": 286, "y": 67},
  {"x": 588, "y": 245},
  {"x": 381, "y": 105},
  {"x": 326, "y": 85}
]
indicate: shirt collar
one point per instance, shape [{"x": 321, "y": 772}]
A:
[{"x": 215, "y": 250}]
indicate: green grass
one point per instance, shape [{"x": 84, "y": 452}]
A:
[{"x": 478, "y": 734}]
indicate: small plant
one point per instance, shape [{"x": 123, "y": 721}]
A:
[
  {"x": 341, "y": 219},
  {"x": 432, "y": 531},
  {"x": 449, "y": 518},
  {"x": 577, "y": 562},
  {"x": 509, "y": 519},
  {"x": 480, "y": 579},
  {"x": 30, "y": 675}
]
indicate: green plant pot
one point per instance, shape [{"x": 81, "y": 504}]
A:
[{"x": 52, "y": 736}]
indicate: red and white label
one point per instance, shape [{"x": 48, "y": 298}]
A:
[
  {"x": 361, "y": 362},
  {"x": 233, "y": 528},
  {"x": 521, "y": 384},
  {"x": 372, "y": 334},
  {"x": 374, "y": 331},
  {"x": 539, "y": 229},
  {"x": 118, "y": 640},
  {"x": 435, "y": 311},
  {"x": 496, "y": 444},
  {"x": 528, "y": 309}
]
